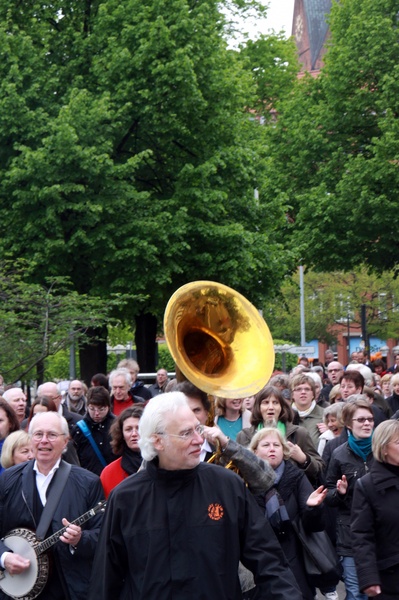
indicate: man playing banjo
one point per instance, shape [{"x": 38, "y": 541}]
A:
[{"x": 45, "y": 495}]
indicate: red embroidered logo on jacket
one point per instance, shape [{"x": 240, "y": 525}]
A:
[{"x": 215, "y": 512}]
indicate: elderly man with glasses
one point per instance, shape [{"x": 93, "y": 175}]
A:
[
  {"x": 178, "y": 528},
  {"x": 46, "y": 494}
]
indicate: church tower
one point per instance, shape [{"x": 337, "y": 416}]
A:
[{"x": 310, "y": 30}]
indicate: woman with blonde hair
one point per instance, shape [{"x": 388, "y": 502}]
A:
[
  {"x": 335, "y": 394},
  {"x": 393, "y": 399},
  {"x": 385, "y": 385},
  {"x": 291, "y": 497},
  {"x": 16, "y": 449}
]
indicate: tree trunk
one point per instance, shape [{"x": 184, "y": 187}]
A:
[
  {"x": 40, "y": 372},
  {"x": 145, "y": 338},
  {"x": 93, "y": 355}
]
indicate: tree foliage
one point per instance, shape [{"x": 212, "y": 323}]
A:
[
  {"x": 333, "y": 298},
  {"x": 128, "y": 162},
  {"x": 335, "y": 147},
  {"x": 37, "y": 321},
  {"x": 273, "y": 62}
]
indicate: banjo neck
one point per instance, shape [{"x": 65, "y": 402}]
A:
[{"x": 53, "y": 539}]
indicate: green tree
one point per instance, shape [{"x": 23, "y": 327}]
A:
[
  {"x": 335, "y": 148},
  {"x": 273, "y": 62},
  {"x": 37, "y": 321},
  {"x": 332, "y": 298},
  {"x": 128, "y": 162}
]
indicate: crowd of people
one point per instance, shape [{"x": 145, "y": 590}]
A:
[{"x": 316, "y": 450}]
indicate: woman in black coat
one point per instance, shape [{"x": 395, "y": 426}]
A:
[
  {"x": 292, "y": 497},
  {"x": 348, "y": 463},
  {"x": 375, "y": 523}
]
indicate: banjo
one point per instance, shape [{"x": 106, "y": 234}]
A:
[{"x": 30, "y": 583}]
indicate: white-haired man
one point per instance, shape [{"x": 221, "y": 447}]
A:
[
  {"x": 24, "y": 492},
  {"x": 122, "y": 397},
  {"x": 178, "y": 528},
  {"x": 17, "y": 399},
  {"x": 137, "y": 387}
]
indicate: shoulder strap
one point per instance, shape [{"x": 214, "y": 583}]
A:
[
  {"x": 61, "y": 477},
  {"x": 87, "y": 433}
]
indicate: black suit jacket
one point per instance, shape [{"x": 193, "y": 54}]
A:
[{"x": 82, "y": 492}]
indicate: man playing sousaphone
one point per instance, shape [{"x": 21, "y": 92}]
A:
[{"x": 45, "y": 495}]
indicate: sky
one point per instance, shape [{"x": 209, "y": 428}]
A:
[{"x": 279, "y": 17}]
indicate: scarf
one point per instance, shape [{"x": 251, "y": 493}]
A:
[
  {"x": 76, "y": 405},
  {"x": 280, "y": 426},
  {"x": 131, "y": 461},
  {"x": 275, "y": 509},
  {"x": 304, "y": 413},
  {"x": 361, "y": 447}
]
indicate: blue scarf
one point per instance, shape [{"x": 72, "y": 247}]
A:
[{"x": 360, "y": 447}]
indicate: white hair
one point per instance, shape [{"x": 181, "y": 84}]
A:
[
  {"x": 8, "y": 394},
  {"x": 124, "y": 373},
  {"x": 316, "y": 378},
  {"x": 363, "y": 370},
  {"x": 153, "y": 419},
  {"x": 39, "y": 416}
]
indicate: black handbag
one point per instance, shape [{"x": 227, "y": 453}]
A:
[{"x": 321, "y": 561}]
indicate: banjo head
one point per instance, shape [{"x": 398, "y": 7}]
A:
[{"x": 28, "y": 584}]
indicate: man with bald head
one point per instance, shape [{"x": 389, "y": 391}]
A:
[
  {"x": 50, "y": 390},
  {"x": 75, "y": 398},
  {"x": 334, "y": 373}
]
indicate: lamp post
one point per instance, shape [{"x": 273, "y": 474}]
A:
[{"x": 302, "y": 305}]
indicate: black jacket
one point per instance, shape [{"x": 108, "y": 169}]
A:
[
  {"x": 375, "y": 528},
  {"x": 294, "y": 488},
  {"x": 82, "y": 491},
  {"x": 344, "y": 462},
  {"x": 379, "y": 417},
  {"x": 393, "y": 402},
  {"x": 139, "y": 389},
  {"x": 182, "y": 537},
  {"x": 100, "y": 432}
]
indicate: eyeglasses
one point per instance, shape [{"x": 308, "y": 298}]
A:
[
  {"x": 99, "y": 409},
  {"x": 52, "y": 436},
  {"x": 186, "y": 435},
  {"x": 362, "y": 420}
]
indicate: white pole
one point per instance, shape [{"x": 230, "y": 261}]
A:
[{"x": 302, "y": 306}]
